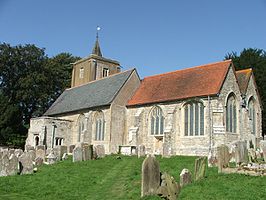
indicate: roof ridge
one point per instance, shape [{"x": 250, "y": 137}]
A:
[
  {"x": 243, "y": 70},
  {"x": 101, "y": 79},
  {"x": 187, "y": 69}
]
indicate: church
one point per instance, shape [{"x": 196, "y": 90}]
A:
[{"x": 183, "y": 112}]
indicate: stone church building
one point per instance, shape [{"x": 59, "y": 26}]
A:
[{"x": 184, "y": 112}]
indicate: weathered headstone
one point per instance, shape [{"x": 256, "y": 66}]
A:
[
  {"x": 29, "y": 147},
  {"x": 141, "y": 150},
  {"x": 59, "y": 151},
  {"x": 100, "y": 151},
  {"x": 40, "y": 147},
  {"x": 150, "y": 176},
  {"x": 87, "y": 152},
  {"x": 77, "y": 154},
  {"x": 185, "y": 177},
  {"x": 4, "y": 165},
  {"x": 241, "y": 152},
  {"x": 26, "y": 163},
  {"x": 200, "y": 168},
  {"x": 169, "y": 189},
  {"x": 252, "y": 155},
  {"x": 166, "y": 150},
  {"x": 32, "y": 154},
  {"x": 40, "y": 153},
  {"x": 12, "y": 168},
  {"x": 51, "y": 158},
  {"x": 223, "y": 157}
]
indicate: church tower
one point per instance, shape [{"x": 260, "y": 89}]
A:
[{"x": 93, "y": 67}]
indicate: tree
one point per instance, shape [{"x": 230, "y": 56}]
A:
[
  {"x": 29, "y": 83},
  {"x": 255, "y": 59}
]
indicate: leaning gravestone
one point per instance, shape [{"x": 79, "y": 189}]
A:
[
  {"x": 223, "y": 157},
  {"x": 150, "y": 176},
  {"x": 185, "y": 177},
  {"x": 77, "y": 154},
  {"x": 26, "y": 163},
  {"x": 200, "y": 167},
  {"x": 241, "y": 152}
]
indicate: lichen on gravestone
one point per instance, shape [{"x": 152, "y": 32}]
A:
[
  {"x": 200, "y": 168},
  {"x": 185, "y": 178},
  {"x": 150, "y": 176},
  {"x": 168, "y": 189}
]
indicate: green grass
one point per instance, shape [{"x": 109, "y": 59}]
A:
[{"x": 112, "y": 178}]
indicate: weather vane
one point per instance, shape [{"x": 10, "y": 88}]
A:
[{"x": 97, "y": 33}]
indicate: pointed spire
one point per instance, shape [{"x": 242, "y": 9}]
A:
[{"x": 96, "y": 49}]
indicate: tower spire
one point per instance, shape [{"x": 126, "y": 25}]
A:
[{"x": 96, "y": 49}]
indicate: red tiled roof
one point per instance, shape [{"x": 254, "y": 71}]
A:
[
  {"x": 243, "y": 77},
  {"x": 181, "y": 84}
]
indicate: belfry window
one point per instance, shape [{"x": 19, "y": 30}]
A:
[
  {"x": 194, "y": 119},
  {"x": 81, "y": 72},
  {"x": 105, "y": 72},
  {"x": 231, "y": 114},
  {"x": 252, "y": 116},
  {"x": 157, "y": 121},
  {"x": 99, "y": 126}
]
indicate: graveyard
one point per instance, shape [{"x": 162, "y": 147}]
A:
[{"x": 119, "y": 177}]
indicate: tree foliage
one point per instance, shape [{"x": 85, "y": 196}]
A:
[
  {"x": 30, "y": 81},
  {"x": 255, "y": 59}
]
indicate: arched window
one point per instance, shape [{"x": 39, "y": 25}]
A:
[
  {"x": 81, "y": 126},
  {"x": 231, "y": 114},
  {"x": 99, "y": 126},
  {"x": 157, "y": 121},
  {"x": 194, "y": 119},
  {"x": 37, "y": 139},
  {"x": 252, "y": 115}
]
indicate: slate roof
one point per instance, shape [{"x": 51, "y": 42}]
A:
[
  {"x": 243, "y": 77},
  {"x": 94, "y": 94},
  {"x": 181, "y": 84}
]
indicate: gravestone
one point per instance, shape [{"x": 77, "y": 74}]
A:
[
  {"x": 32, "y": 154},
  {"x": 263, "y": 148},
  {"x": 241, "y": 152},
  {"x": 26, "y": 163},
  {"x": 4, "y": 165},
  {"x": 29, "y": 147},
  {"x": 141, "y": 151},
  {"x": 40, "y": 147},
  {"x": 169, "y": 189},
  {"x": 51, "y": 158},
  {"x": 40, "y": 153},
  {"x": 223, "y": 157},
  {"x": 252, "y": 155},
  {"x": 38, "y": 160},
  {"x": 18, "y": 152},
  {"x": 77, "y": 154},
  {"x": 185, "y": 177},
  {"x": 12, "y": 168},
  {"x": 71, "y": 148},
  {"x": 87, "y": 152},
  {"x": 150, "y": 176},
  {"x": 200, "y": 168},
  {"x": 166, "y": 150},
  {"x": 59, "y": 151},
  {"x": 100, "y": 151}
]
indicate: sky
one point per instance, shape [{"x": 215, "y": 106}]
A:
[{"x": 154, "y": 36}]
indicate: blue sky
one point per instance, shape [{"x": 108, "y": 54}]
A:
[{"x": 155, "y": 36}]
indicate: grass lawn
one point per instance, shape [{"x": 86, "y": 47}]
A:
[{"x": 112, "y": 178}]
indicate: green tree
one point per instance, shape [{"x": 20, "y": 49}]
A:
[
  {"x": 29, "y": 83},
  {"x": 255, "y": 59}
]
